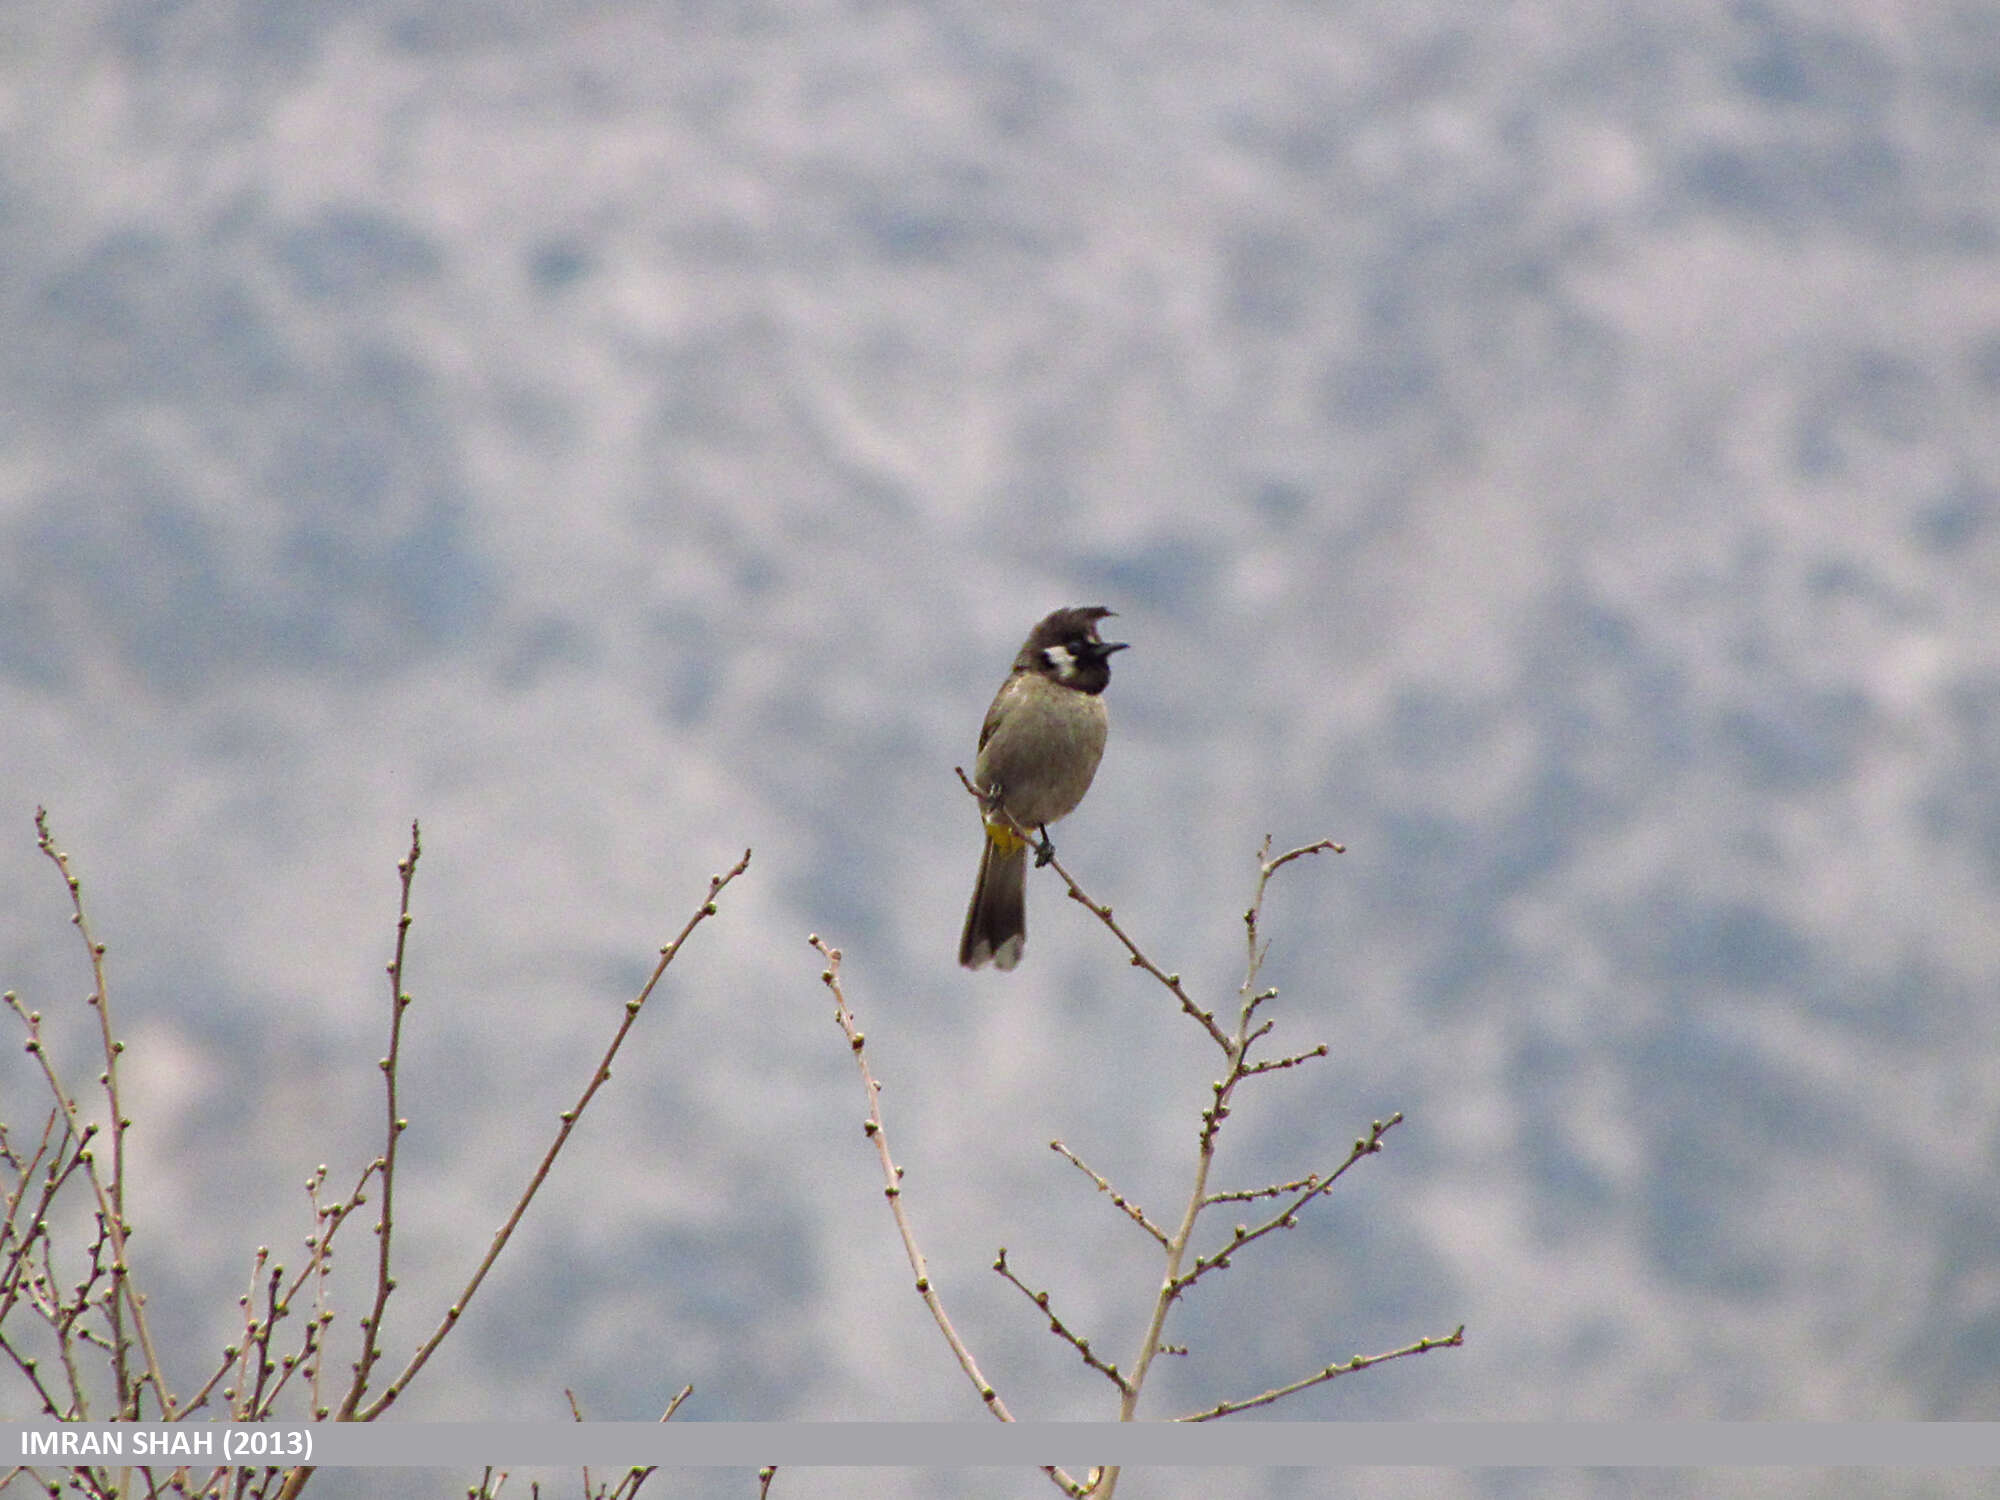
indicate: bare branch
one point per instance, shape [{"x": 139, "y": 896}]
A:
[
  {"x": 1272, "y": 866},
  {"x": 629, "y": 1482},
  {"x": 329, "y": 1218},
  {"x": 1312, "y": 1186},
  {"x": 892, "y": 1176},
  {"x": 598, "y": 1078},
  {"x": 14, "y": 1272},
  {"x": 111, "y": 1195},
  {"x": 1130, "y": 1209},
  {"x": 1103, "y": 914},
  {"x": 1452, "y": 1340},
  {"x": 385, "y": 1219},
  {"x": 1058, "y": 1327},
  {"x": 1236, "y": 1047},
  {"x": 1275, "y": 1190},
  {"x": 892, "y": 1179},
  {"x": 1275, "y": 1064}
]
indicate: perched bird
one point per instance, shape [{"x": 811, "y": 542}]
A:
[{"x": 1038, "y": 751}]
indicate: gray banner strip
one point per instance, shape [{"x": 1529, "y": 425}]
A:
[{"x": 1074, "y": 1445}]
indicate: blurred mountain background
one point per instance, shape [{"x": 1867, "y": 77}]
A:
[{"x": 1552, "y": 448}]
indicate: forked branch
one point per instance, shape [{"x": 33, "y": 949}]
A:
[{"x": 892, "y": 1190}]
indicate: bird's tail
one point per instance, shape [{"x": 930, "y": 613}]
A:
[{"x": 996, "y": 923}]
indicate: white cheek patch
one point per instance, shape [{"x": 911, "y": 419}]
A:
[{"x": 1062, "y": 660}]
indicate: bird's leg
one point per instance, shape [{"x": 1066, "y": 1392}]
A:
[{"x": 1044, "y": 851}]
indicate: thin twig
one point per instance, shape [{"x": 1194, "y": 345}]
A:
[
  {"x": 1275, "y": 1190},
  {"x": 391, "y": 1065},
  {"x": 1276, "y": 1064},
  {"x": 635, "y": 1478},
  {"x": 13, "y": 1276},
  {"x": 598, "y": 1078},
  {"x": 260, "y": 1404},
  {"x": 100, "y": 1001},
  {"x": 1452, "y": 1340},
  {"x": 1271, "y": 867},
  {"x": 892, "y": 1176},
  {"x": 1287, "y": 1217},
  {"x": 327, "y": 1219},
  {"x": 576, "y": 1414},
  {"x": 110, "y": 1198},
  {"x": 296, "y": 1478},
  {"x": 40, "y": 1284},
  {"x": 1103, "y": 914},
  {"x": 1056, "y": 1324},
  {"x": 1119, "y": 1201},
  {"x": 320, "y": 1249},
  {"x": 1236, "y": 1047}
]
